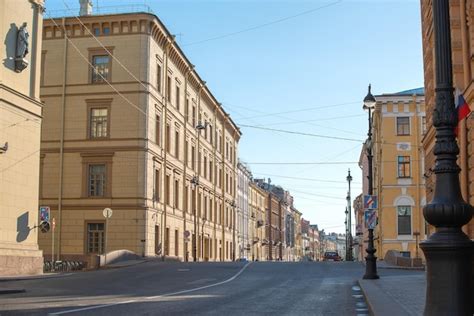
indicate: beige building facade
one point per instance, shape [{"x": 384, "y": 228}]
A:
[
  {"x": 257, "y": 221},
  {"x": 462, "y": 32},
  {"x": 129, "y": 125},
  {"x": 20, "y": 127}
]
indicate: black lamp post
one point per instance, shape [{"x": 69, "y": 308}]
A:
[
  {"x": 349, "y": 219},
  {"x": 448, "y": 251},
  {"x": 371, "y": 259},
  {"x": 195, "y": 185}
]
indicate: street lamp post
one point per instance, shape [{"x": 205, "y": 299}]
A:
[
  {"x": 448, "y": 251},
  {"x": 371, "y": 259},
  {"x": 349, "y": 219}
]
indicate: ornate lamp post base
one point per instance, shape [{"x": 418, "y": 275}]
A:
[
  {"x": 448, "y": 258},
  {"x": 371, "y": 259}
]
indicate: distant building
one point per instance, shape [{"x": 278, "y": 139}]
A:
[{"x": 242, "y": 212}]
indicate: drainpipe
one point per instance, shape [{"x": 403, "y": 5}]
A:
[
  {"x": 61, "y": 142},
  {"x": 165, "y": 152}
]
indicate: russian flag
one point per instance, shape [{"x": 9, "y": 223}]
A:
[{"x": 462, "y": 109}]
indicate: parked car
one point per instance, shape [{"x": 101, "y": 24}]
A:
[{"x": 331, "y": 256}]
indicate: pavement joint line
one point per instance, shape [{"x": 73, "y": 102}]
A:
[{"x": 153, "y": 297}]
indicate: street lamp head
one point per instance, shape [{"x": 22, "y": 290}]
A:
[
  {"x": 201, "y": 126},
  {"x": 369, "y": 100},
  {"x": 349, "y": 177}
]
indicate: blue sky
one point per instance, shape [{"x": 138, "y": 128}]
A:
[{"x": 321, "y": 58}]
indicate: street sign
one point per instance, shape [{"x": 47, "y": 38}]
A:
[
  {"x": 44, "y": 227},
  {"x": 370, "y": 202},
  {"x": 107, "y": 212},
  {"x": 370, "y": 218},
  {"x": 44, "y": 213}
]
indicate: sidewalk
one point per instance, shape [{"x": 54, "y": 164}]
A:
[{"x": 395, "y": 295}]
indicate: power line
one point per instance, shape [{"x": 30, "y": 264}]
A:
[
  {"x": 301, "y": 133},
  {"x": 295, "y": 111},
  {"x": 304, "y": 163},
  {"x": 262, "y": 25},
  {"x": 313, "y": 120},
  {"x": 303, "y": 179}
]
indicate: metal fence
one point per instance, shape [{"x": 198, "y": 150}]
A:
[
  {"x": 63, "y": 266},
  {"x": 102, "y": 10}
]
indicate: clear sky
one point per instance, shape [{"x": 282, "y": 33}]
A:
[{"x": 263, "y": 57}]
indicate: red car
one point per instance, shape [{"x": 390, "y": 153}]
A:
[{"x": 331, "y": 256}]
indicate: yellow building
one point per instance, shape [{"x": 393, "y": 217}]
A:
[
  {"x": 20, "y": 128},
  {"x": 398, "y": 127},
  {"x": 257, "y": 221},
  {"x": 129, "y": 125},
  {"x": 462, "y": 32}
]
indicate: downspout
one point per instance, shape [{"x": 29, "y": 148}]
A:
[
  {"x": 214, "y": 178},
  {"x": 165, "y": 151},
  {"x": 418, "y": 161},
  {"x": 223, "y": 248},
  {"x": 146, "y": 119},
  {"x": 186, "y": 158},
  {"x": 61, "y": 142}
]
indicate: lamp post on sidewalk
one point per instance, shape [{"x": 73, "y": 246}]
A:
[
  {"x": 349, "y": 215},
  {"x": 371, "y": 259},
  {"x": 448, "y": 251}
]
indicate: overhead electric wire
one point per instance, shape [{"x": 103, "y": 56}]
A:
[
  {"x": 259, "y": 26},
  {"x": 304, "y": 163},
  {"x": 309, "y": 121},
  {"x": 303, "y": 179},
  {"x": 301, "y": 133},
  {"x": 295, "y": 111}
]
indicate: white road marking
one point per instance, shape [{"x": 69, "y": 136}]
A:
[{"x": 154, "y": 297}]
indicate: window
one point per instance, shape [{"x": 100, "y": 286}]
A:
[
  {"x": 423, "y": 125},
  {"x": 194, "y": 116},
  {"x": 95, "y": 238},
  {"x": 403, "y": 126},
  {"x": 100, "y": 68},
  {"x": 210, "y": 170},
  {"x": 193, "y": 157},
  {"x": 168, "y": 141},
  {"x": 168, "y": 190},
  {"x": 156, "y": 194},
  {"x": 157, "y": 240},
  {"x": 204, "y": 213},
  {"x": 186, "y": 199},
  {"x": 98, "y": 122},
  {"x": 96, "y": 31},
  {"x": 404, "y": 220},
  {"x": 176, "y": 245},
  {"x": 176, "y": 144},
  {"x": 205, "y": 167},
  {"x": 158, "y": 77},
  {"x": 158, "y": 130},
  {"x": 176, "y": 193},
  {"x": 187, "y": 110},
  {"x": 178, "y": 95},
  {"x": 167, "y": 241},
  {"x": 210, "y": 134},
  {"x": 403, "y": 166},
  {"x": 97, "y": 180},
  {"x": 168, "y": 89},
  {"x": 106, "y": 30}
]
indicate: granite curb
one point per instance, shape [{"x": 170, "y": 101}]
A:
[
  {"x": 11, "y": 291},
  {"x": 33, "y": 277}
]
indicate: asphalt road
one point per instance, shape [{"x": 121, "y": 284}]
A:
[{"x": 156, "y": 288}]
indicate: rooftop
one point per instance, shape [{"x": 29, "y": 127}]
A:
[
  {"x": 101, "y": 10},
  {"x": 417, "y": 91}
]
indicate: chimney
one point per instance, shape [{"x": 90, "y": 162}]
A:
[{"x": 86, "y": 7}]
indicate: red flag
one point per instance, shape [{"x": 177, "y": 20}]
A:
[{"x": 462, "y": 109}]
